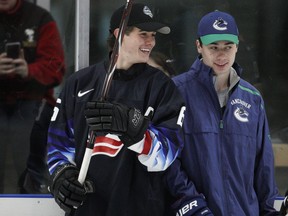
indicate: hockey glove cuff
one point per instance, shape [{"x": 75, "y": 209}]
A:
[
  {"x": 69, "y": 194},
  {"x": 195, "y": 206},
  {"x": 137, "y": 126}
]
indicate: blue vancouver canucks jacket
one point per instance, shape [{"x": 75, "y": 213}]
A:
[{"x": 227, "y": 154}]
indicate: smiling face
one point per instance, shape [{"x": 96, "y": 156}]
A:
[
  {"x": 6, "y": 5},
  {"x": 136, "y": 48},
  {"x": 219, "y": 55}
]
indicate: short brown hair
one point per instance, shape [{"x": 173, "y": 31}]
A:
[{"x": 111, "y": 38}]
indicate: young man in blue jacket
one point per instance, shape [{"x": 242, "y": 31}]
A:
[{"x": 228, "y": 153}]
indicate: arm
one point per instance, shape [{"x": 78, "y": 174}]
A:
[
  {"x": 61, "y": 137},
  {"x": 61, "y": 145},
  {"x": 164, "y": 138},
  {"x": 157, "y": 140},
  {"x": 264, "y": 181},
  {"x": 159, "y": 147},
  {"x": 185, "y": 200},
  {"x": 69, "y": 194},
  {"x": 49, "y": 65}
]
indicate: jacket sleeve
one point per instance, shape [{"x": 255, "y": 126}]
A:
[
  {"x": 49, "y": 65},
  {"x": 61, "y": 141},
  {"x": 185, "y": 200},
  {"x": 164, "y": 138},
  {"x": 264, "y": 182}
]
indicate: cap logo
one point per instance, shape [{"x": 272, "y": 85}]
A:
[
  {"x": 147, "y": 11},
  {"x": 220, "y": 24}
]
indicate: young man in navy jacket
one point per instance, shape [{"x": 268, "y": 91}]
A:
[{"x": 228, "y": 154}]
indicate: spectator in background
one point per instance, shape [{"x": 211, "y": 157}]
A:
[
  {"x": 35, "y": 178},
  {"x": 26, "y": 81},
  {"x": 162, "y": 62}
]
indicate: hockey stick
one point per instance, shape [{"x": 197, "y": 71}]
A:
[{"x": 106, "y": 86}]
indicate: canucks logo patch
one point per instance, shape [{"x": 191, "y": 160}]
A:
[
  {"x": 220, "y": 24},
  {"x": 241, "y": 114}
]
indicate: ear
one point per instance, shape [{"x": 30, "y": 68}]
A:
[
  {"x": 116, "y": 32},
  {"x": 237, "y": 46},
  {"x": 198, "y": 45}
]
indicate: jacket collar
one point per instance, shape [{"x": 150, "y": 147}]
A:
[{"x": 205, "y": 72}]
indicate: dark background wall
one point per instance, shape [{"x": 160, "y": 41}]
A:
[{"x": 263, "y": 27}]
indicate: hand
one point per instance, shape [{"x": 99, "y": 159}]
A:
[
  {"x": 21, "y": 66},
  {"x": 193, "y": 206},
  {"x": 284, "y": 206},
  {"x": 6, "y": 65},
  {"x": 128, "y": 123},
  {"x": 69, "y": 194},
  {"x": 13, "y": 66}
]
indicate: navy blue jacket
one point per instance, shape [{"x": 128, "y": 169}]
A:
[
  {"x": 126, "y": 182},
  {"x": 227, "y": 155}
]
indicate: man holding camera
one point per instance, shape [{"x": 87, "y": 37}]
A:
[{"x": 31, "y": 64}]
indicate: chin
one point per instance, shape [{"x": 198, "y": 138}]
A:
[{"x": 142, "y": 61}]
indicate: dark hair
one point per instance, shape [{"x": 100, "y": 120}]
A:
[
  {"x": 199, "y": 39},
  {"x": 111, "y": 38},
  {"x": 163, "y": 61}
]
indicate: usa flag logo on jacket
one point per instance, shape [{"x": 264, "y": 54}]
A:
[{"x": 109, "y": 145}]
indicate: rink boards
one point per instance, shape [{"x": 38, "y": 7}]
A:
[{"x": 42, "y": 205}]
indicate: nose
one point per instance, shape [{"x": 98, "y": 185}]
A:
[
  {"x": 150, "y": 40},
  {"x": 221, "y": 53}
]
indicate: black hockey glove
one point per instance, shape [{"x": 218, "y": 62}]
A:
[
  {"x": 193, "y": 206},
  {"x": 69, "y": 194},
  {"x": 284, "y": 206},
  {"x": 128, "y": 123}
]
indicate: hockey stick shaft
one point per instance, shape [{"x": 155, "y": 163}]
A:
[
  {"x": 106, "y": 86},
  {"x": 116, "y": 49}
]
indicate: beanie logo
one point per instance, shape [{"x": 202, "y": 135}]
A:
[
  {"x": 220, "y": 24},
  {"x": 147, "y": 11}
]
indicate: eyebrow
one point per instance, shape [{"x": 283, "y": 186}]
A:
[
  {"x": 146, "y": 31},
  {"x": 227, "y": 43}
]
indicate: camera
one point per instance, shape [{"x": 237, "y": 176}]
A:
[{"x": 12, "y": 50}]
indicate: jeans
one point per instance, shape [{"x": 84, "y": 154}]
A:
[{"x": 16, "y": 122}]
